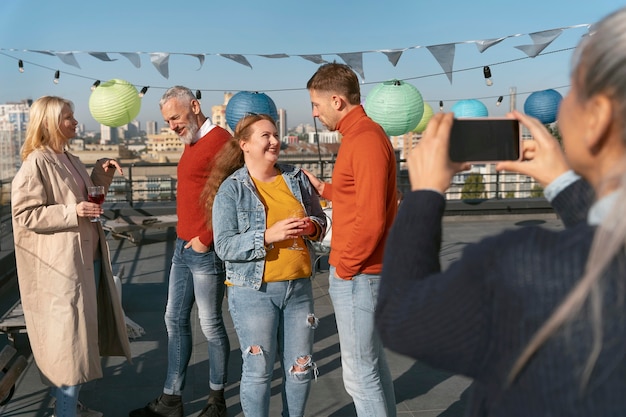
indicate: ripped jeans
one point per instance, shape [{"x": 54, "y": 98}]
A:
[{"x": 276, "y": 318}]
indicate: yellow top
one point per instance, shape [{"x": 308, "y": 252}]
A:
[{"x": 282, "y": 263}]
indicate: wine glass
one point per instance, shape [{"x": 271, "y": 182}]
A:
[
  {"x": 298, "y": 214},
  {"x": 95, "y": 195}
]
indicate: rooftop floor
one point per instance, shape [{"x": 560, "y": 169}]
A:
[{"x": 420, "y": 390}]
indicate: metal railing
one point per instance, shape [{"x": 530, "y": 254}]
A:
[{"x": 158, "y": 182}]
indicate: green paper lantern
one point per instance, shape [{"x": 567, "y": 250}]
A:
[
  {"x": 114, "y": 103},
  {"x": 428, "y": 114},
  {"x": 395, "y": 105}
]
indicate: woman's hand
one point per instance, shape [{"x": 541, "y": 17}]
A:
[
  {"x": 87, "y": 209},
  {"x": 429, "y": 162},
  {"x": 542, "y": 158},
  {"x": 112, "y": 163},
  {"x": 289, "y": 229},
  {"x": 315, "y": 182}
]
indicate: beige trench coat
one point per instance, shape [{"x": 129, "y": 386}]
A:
[{"x": 68, "y": 325}]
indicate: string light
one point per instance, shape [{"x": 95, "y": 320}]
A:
[
  {"x": 198, "y": 94},
  {"x": 487, "y": 73},
  {"x": 57, "y": 74},
  {"x": 499, "y": 100},
  {"x": 95, "y": 85},
  {"x": 20, "y": 65},
  {"x": 143, "y": 91},
  {"x": 440, "y": 105}
]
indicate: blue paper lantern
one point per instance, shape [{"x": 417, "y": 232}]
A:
[
  {"x": 245, "y": 102},
  {"x": 543, "y": 105},
  {"x": 395, "y": 105},
  {"x": 469, "y": 108}
]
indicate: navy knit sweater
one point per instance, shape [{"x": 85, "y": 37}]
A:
[{"x": 476, "y": 317}]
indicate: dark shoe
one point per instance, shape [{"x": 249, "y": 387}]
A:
[
  {"x": 216, "y": 407},
  {"x": 164, "y": 406}
]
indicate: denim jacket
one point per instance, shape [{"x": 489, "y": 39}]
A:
[{"x": 239, "y": 223}]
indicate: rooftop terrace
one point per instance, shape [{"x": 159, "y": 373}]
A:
[{"x": 420, "y": 390}]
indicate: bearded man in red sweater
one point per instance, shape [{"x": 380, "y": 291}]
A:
[
  {"x": 363, "y": 192},
  {"x": 197, "y": 274}
]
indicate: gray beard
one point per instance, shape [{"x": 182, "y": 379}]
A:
[{"x": 191, "y": 130}]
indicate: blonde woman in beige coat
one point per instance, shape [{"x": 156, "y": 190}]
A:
[{"x": 73, "y": 315}]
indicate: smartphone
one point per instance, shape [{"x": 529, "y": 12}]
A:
[{"x": 485, "y": 140}]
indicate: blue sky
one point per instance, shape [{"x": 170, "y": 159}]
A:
[{"x": 252, "y": 27}]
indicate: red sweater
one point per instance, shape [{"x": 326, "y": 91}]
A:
[
  {"x": 192, "y": 174},
  {"x": 363, "y": 192}
]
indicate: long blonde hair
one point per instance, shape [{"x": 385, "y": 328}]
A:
[
  {"x": 228, "y": 160},
  {"x": 44, "y": 122},
  {"x": 599, "y": 68}
]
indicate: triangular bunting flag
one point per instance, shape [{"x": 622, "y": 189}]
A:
[
  {"x": 541, "y": 40},
  {"x": 275, "y": 56},
  {"x": 102, "y": 56},
  {"x": 393, "y": 56},
  {"x": 160, "y": 60},
  {"x": 317, "y": 59},
  {"x": 484, "y": 44},
  {"x": 240, "y": 59},
  {"x": 133, "y": 57},
  {"x": 444, "y": 54},
  {"x": 68, "y": 58},
  {"x": 200, "y": 59},
  {"x": 355, "y": 61}
]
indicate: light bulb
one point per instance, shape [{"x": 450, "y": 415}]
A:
[
  {"x": 57, "y": 74},
  {"x": 499, "y": 101},
  {"x": 143, "y": 91},
  {"x": 95, "y": 85},
  {"x": 198, "y": 94},
  {"x": 440, "y": 105},
  {"x": 20, "y": 65},
  {"x": 487, "y": 73}
]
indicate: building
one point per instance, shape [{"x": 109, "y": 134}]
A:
[
  {"x": 164, "y": 147},
  {"x": 14, "y": 116},
  {"x": 282, "y": 124},
  {"x": 218, "y": 113},
  {"x": 151, "y": 127},
  {"x": 324, "y": 137}
]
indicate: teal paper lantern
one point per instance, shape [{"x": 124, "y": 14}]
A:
[
  {"x": 246, "y": 102},
  {"x": 428, "y": 114},
  {"x": 395, "y": 105},
  {"x": 543, "y": 105},
  {"x": 469, "y": 108},
  {"x": 114, "y": 103}
]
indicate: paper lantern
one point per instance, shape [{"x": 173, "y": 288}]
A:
[
  {"x": 428, "y": 114},
  {"x": 395, "y": 105},
  {"x": 469, "y": 108},
  {"x": 114, "y": 103},
  {"x": 245, "y": 102},
  {"x": 543, "y": 105}
]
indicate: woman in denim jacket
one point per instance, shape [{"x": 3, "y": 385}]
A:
[{"x": 269, "y": 262}]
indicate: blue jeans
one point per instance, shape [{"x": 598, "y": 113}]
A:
[
  {"x": 366, "y": 374},
  {"x": 195, "y": 277},
  {"x": 66, "y": 400},
  {"x": 276, "y": 318}
]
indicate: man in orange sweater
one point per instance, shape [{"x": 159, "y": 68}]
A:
[
  {"x": 197, "y": 274},
  {"x": 363, "y": 192}
]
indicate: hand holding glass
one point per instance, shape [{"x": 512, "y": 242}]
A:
[
  {"x": 298, "y": 214},
  {"x": 95, "y": 195}
]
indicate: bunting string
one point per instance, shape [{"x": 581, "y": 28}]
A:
[{"x": 443, "y": 53}]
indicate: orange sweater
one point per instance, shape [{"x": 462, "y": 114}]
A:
[
  {"x": 192, "y": 174},
  {"x": 363, "y": 192}
]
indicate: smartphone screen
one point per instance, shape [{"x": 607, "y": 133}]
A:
[{"x": 485, "y": 140}]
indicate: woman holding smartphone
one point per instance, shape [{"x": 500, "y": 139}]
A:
[{"x": 536, "y": 317}]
